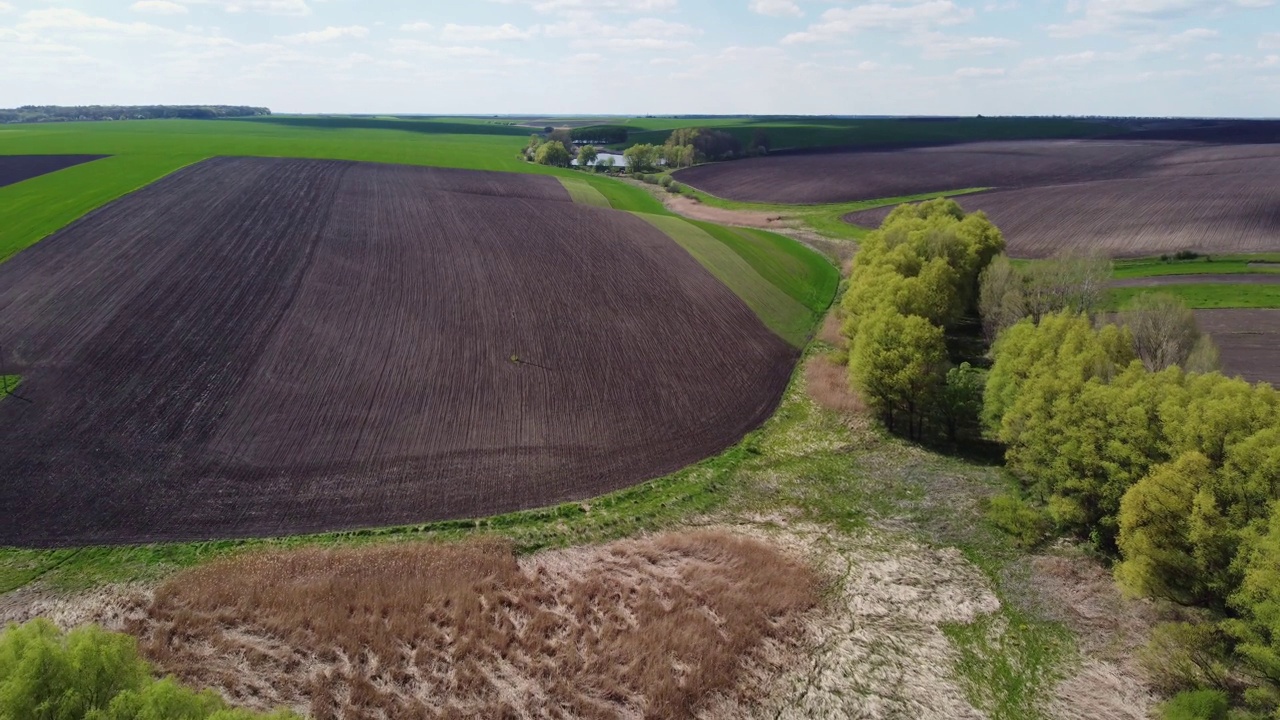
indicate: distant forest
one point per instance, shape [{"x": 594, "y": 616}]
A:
[{"x": 56, "y": 113}]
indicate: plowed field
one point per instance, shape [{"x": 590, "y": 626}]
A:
[
  {"x": 1247, "y": 340},
  {"x": 255, "y": 346},
  {"x": 16, "y": 168},
  {"x": 1211, "y": 214}
]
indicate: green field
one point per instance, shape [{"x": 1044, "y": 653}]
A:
[
  {"x": 1205, "y": 296},
  {"x": 812, "y": 132},
  {"x": 146, "y": 150},
  {"x": 1208, "y": 265},
  {"x": 787, "y": 284}
]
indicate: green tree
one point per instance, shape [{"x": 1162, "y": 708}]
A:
[
  {"x": 1257, "y": 630},
  {"x": 1000, "y": 300},
  {"x": 896, "y": 365},
  {"x": 641, "y": 158},
  {"x": 95, "y": 675},
  {"x": 553, "y": 153},
  {"x": 960, "y": 399},
  {"x": 587, "y": 155}
]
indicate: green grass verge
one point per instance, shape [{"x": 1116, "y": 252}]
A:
[
  {"x": 144, "y": 151},
  {"x": 8, "y": 384},
  {"x": 582, "y": 192},
  {"x": 1204, "y": 296},
  {"x": 784, "y": 315},
  {"x": 800, "y": 272},
  {"x": 1209, "y": 265}
]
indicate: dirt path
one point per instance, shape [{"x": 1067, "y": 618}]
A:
[{"x": 1226, "y": 279}]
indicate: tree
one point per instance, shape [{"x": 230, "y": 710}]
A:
[
  {"x": 1164, "y": 329},
  {"x": 1166, "y": 520},
  {"x": 587, "y": 155},
  {"x": 1257, "y": 631},
  {"x": 896, "y": 365},
  {"x": 561, "y": 135},
  {"x": 1067, "y": 282},
  {"x": 960, "y": 399},
  {"x": 553, "y": 153},
  {"x": 1000, "y": 301},
  {"x": 607, "y": 163},
  {"x": 641, "y": 158}
]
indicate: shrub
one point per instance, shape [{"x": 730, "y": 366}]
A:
[
  {"x": 1027, "y": 526},
  {"x": 1184, "y": 656},
  {"x": 1196, "y": 705},
  {"x": 93, "y": 674},
  {"x": 1186, "y": 255},
  {"x": 665, "y": 181},
  {"x": 674, "y": 188}
]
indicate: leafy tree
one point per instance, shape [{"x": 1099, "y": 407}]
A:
[
  {"x": 1164, "y": 329},
  {"x": 1257, "y": 630},
  {"x": 1170, "y": 530},
  {"x": 896, "y": 364},
  {"x": 561, "y": 135},
  {"x": 587, "y": 155},
  {"x": 1000, "y": 301},
  {"x": 641, "y": 158},
  {"x": 960, "y": 399},
  {"x": 1067, "y": 282},
  {"x": 553, "y": 153},
  {"x": 606, "y": 164},
  {"x": 96, "y": 675}
]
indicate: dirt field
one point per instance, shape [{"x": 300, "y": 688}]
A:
[
  {"x": 1133, "y": 218},
  {"x": 1219, "y": 279},
  {"x": 16, "y": 168},
  {"x": 1247, "y": 339},
  {"x": 257, "y": 346}
]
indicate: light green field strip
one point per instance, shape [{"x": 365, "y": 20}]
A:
[
  {"x": 583, "y": 193},
  {"x": 1205, "y": 296},
  {"x": 786, "y": 317}
]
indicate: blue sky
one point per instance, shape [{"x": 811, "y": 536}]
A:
[{"x": 995, "y": 57}]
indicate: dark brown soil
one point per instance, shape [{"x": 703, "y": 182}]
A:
[
  {"x": 1222, "y": 279},
  {"x": 16, "y": 168},
  {"x": 259, "y": 346},
  {"x": 1249, "y": 341},
  {"x": 1205, "y": 213}
]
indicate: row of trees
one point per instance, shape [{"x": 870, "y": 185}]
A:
[
  {"x": 1121, "y": 434},
  {"x": 913, "y": 279},
  {"x": 57, "y": 113}
]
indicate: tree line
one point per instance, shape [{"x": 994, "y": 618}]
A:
[
  {"x": 1118, "y": 426},
  {"x": 683, "y": 148},
  {"x": 58, "y": 113}
]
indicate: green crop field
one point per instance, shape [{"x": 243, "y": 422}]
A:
[
  {"x": 1205, "y": 296},
  {"x": 786, "y": 283},
  {"x": 146, "y": 150},
  {"x": 1206, "y": 265}
]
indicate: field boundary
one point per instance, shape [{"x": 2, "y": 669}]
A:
[
  {"x": 784, "y": 315},
  {"x": 584, "y": 193}
]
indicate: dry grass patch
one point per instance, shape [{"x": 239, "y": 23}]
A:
[
  {"x": 828, "y": 385},
  {"x": 648, "y": 627}
]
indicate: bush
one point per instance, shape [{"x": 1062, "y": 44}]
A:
[
  {"x": 1186, "y": 255},
  {"x": 674, "y": 188},
  {"x": 1184, "y": 656},
  {"x": 96, "y": 675},
  {"x": 1196, "y": 705},
  {"x": 665, "y": 181},
  {"x": 1027, "y": 526}
]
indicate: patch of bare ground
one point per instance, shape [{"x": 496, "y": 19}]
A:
[
  {"x": 691, "y": 208},
  {"x": 1107, "y": 682},
  {"x": 648, "y": 627}
]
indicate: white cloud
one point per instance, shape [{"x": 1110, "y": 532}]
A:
[
  {"x": 5, "y": 7},
  {"x": 266, "y": 7},
  {"x": 1104, "y": 16},
  {"x": 938, "y": 46},
  {"x": 328, "y": 34},
  {"x": 918, "y": 16},
  {"x": 417, "y": 27},
  {"x": 868, "y": 66},
  {"x": 640, "y": 34},
  {"x": 979, "y": 72},
  {"x": 452, "y": 33},
  {"x": 1269, "y": 41},
  {"x": 158, "y": 7},
  {"x": 776, "y": 8},
  {"x": 592, "y": 6}
]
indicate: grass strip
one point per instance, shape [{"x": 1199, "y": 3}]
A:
[
  {"x": 584, "y": 193},
  {"x": 785, "y": 316},
  {"x": 1204, "y": 296}
]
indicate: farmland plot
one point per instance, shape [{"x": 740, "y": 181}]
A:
[
  {"x": 1247, "y": 340},
  {"x": 16, "y": 168},
  {"x": 1209, "y": 214},
  {"x": 256, "y": 346}
]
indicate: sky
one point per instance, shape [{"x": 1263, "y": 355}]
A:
[{"x": 1202, "y": 58}]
